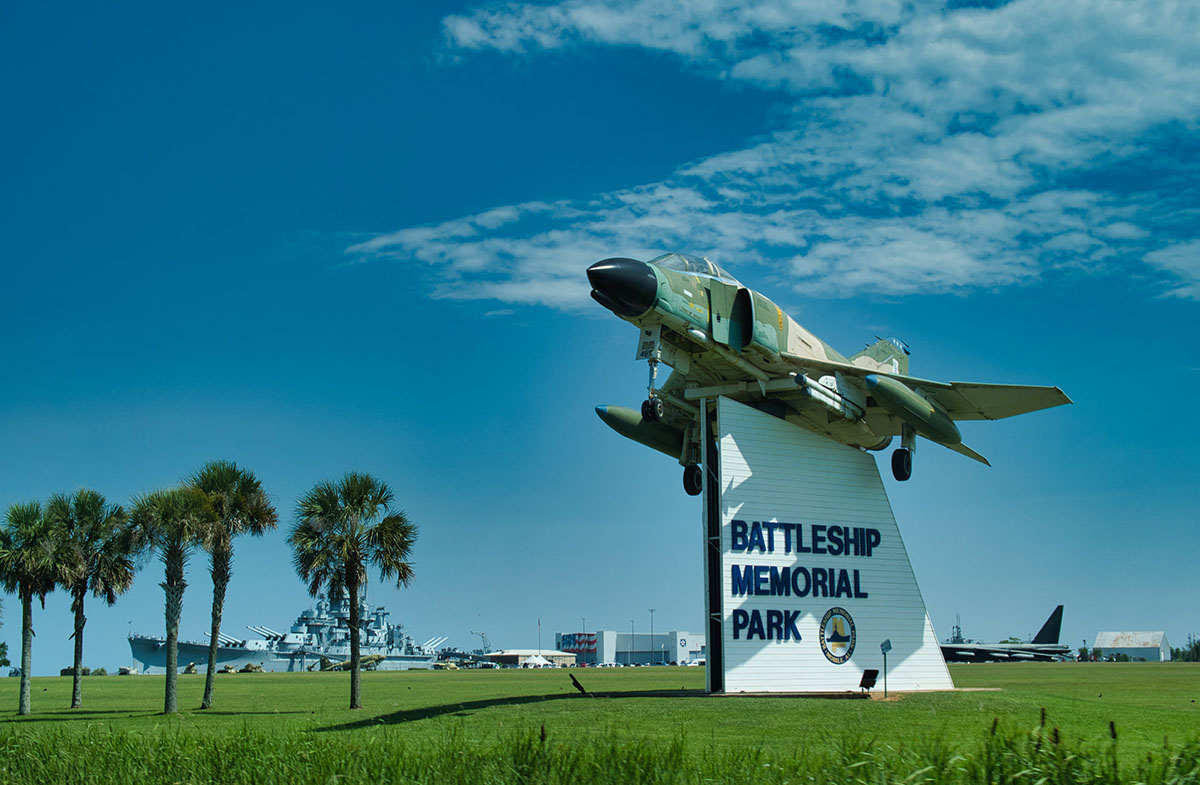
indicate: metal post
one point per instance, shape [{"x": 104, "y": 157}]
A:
[
  {"x": 884, "y": 648},
  {"x": 715, "y": 666},
  {"x": 651, "y": 636}
]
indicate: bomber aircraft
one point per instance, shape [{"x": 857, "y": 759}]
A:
[
  {"x": 721, "y": 338},
  {"x": 1043, "y": 648}
]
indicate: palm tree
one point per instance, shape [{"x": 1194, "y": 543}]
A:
[
  {"x": 342, "y": 526},
  {"x": 30, "y": 567},
  {"x": 96, "y": 553},
  {"x": 239, "y": 506},
  {"x": 170, "y": 523}
]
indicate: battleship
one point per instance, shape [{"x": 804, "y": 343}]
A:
[{"x": 319, "y": 634}]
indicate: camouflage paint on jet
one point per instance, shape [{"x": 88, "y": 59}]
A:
[{"x": 721, "y": 338}]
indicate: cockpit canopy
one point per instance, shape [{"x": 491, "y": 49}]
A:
[{"x": 692, "y": 264}]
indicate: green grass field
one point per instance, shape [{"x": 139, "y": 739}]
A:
[{"x": 432, "y": 722}]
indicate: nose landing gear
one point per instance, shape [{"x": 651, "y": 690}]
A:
[
  {"x": 693, "y": 479},
  {"x": 653, "y": 407}
]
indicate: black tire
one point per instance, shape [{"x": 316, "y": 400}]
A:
[
  {"x": 902, "y": 464},
  {"x": 693, "y": 480},
  {"x": 647, "y": 413},
  {"x": 657, "y": 408}
]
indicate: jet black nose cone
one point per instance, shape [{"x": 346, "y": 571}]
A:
[{"x": 626, "y": 287}]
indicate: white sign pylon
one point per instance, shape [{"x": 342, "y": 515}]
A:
[{"x": 814, "y": 575}]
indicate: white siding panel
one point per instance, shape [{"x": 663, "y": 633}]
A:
[{"x": 772, "y": 471}]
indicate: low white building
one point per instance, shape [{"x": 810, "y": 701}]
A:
[
  {"x": 531, "y": 658},
  {"x": 1147, "y": 646}
]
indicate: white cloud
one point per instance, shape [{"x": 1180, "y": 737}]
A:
[
  {"x": 1182, "y": 261},
  {"x": 932, "y": 150},
  {"x": 690, "y": 28}
]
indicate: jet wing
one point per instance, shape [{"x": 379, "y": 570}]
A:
[
  {"x": 970, "y": 401},
  {"x": 974, "y": 652},
  {"x": 858, "y": 371},
  {"x": 960, "y": 400}
]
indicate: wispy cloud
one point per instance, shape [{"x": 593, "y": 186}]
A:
[
  {"x": 929, "y": 149},
  {"x": 1182, "y": 261}
]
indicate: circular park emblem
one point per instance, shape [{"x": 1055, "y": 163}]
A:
[{"x": 837, "y": 635}]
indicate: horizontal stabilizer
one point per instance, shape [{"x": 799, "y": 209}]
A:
[{"x": 963, "y": 449}]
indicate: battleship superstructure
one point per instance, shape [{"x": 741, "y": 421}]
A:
[{"x": 320, "y": 632}]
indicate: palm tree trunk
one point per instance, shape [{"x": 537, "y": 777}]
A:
[
  {"x": 173, "y": 587},
  {"x": 352, "y": 592},
  {"x": 222, "y": 559},
  {"x": 77, "y": 605},
  {"x": 26, "y": 649}
]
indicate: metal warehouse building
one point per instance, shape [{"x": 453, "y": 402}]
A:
[
  {"x": 628, "y": 648},
  {"x": 1148, "y": 646}
]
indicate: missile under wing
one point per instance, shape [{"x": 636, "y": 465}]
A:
[{"x": 719, "y": 337}]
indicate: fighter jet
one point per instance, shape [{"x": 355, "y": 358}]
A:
[
  {"x": 722, "y": 338},
  {"x": 368, "y": 662}
]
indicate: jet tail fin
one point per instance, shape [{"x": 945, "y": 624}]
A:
[
  {"x": 889, "y": 354},
  {"x": 1049, "y": 631}
]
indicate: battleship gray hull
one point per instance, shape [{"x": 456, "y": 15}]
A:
[{"x": 319, "y": 633}]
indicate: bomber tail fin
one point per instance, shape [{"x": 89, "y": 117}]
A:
[
  {"x": 886, "y": 354},
  {"x": 1049, "y": 631}
]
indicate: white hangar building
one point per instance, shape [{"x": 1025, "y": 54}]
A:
[
  {"x": 628, "y": 648},
  {"x": 531, "y": 658},
  {"x": 1148, "y": 646}
]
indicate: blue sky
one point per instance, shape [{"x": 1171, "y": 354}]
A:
[{"x": 315, "y": 241}]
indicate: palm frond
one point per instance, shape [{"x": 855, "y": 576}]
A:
[
  {"x": 30, "y": 553},
  {"x": 239, "y": 503},
  {"x": 364, "y": 496},
  {"x": 94, "y": 540},
  {"x": 389, "y": 547},
  {"x": 315, "y": 551},
  {"x": 343, "y": 526},
  {"x": 170, "y": 518}
]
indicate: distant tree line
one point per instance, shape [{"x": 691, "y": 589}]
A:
[
  {"x": 81, "y": 543},
  {"x": 1190, "y": 652}
]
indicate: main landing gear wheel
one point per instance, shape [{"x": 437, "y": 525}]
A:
[
  {"x": 693, "y": 479},
  {"x": 902, "y": 464},
  {"x": 653, "y": 409}
]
